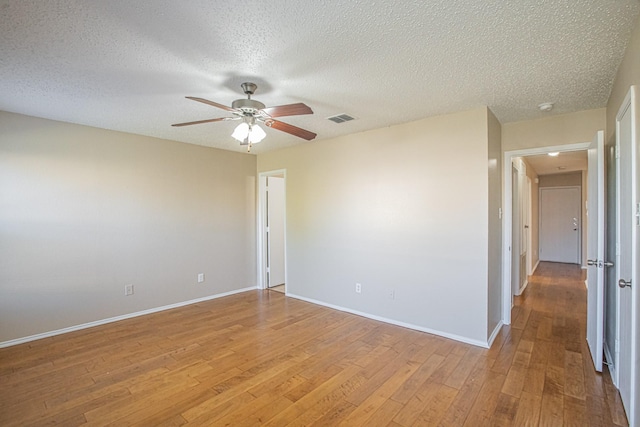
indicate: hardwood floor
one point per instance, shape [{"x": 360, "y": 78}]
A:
[{"x": 260, "y": 358}]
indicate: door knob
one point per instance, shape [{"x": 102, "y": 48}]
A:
[
  {"x": 608, "y": 264},
  {"x": 623, "y": 283},
  {"x": 592, "y": 262}
]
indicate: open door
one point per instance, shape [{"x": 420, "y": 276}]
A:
[
  {"x": 275, "y": 231},
  {"x": 595, "y": 250}
]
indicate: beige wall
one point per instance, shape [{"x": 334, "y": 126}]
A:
[
  {"x": 85, "y": 211},
  {"x": 561, "y": 180},
  {"x": 495, "y": 222},
  {"x": 555, "y": 130},
  {"x": 403, "y": 207},
  {"x": 628, "y": 74}
]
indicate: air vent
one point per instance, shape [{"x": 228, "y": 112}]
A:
[{"x": 341, "y": 118}]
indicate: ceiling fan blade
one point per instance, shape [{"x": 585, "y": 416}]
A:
[
  {"x": 221, "y": 119},
  {"x": 288, "y": 110},
  {"x": 206, "y": 101},
  {"x": 293, "y": 130}
]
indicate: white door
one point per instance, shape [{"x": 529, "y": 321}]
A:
[
  {"x": 528, "y": 228},
  {"x": 275, "y": 231},
  {"x": 560, "y": 224},
  {"x": 595, "y": 249},
  {"x": 515, "y": 234},
  {"x": 626, "y": 232},
  {"x": 634, "y": 411}
]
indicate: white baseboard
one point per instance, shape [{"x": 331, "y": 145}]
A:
[
  {"x": 394, "y": 322},
  {"x": 535, "y": 267},
  {"x": 524, "y": 286},
  {"x": 611, "y": 364},
  {"x": 23, "y": 340},
  {"x": 494, "y": 334}
]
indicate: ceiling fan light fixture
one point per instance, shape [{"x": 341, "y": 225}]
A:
[{"x": 251, "y": 112}]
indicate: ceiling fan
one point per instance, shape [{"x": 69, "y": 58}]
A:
[{"x": 252, "y": 112}]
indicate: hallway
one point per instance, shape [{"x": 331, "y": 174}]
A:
[{"x": 552, "y": 364}]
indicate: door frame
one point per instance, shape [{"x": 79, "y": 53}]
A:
[
  {"x": 261, "y": 246},
  {"x": 507, "y": 193}
]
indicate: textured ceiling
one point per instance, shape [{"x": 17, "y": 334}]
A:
[{"x": 127, "y": 65}]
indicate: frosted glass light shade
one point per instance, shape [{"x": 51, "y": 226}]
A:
[
  {"x": 253, "y": 134},
  {"x": 256, "y": 134},
  {"x": 241, "y": 132}
]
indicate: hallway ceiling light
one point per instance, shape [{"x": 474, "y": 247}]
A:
[
  {"x": 554, "y": 153},
  {"x": 546, "y": 107}
]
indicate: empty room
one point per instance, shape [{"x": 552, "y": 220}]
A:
[{"x": 319, "y": 213}]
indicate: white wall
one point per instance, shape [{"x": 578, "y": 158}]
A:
[
  {"x": 404, "y": 207},
  {"x": 85, "y": 211}
]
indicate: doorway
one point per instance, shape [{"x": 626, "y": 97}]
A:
[
  {"x": 508, "y": 218},
  {"x": 272, "y": 230}
]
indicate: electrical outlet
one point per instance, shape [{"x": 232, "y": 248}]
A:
[
  {"x": 391, "y": 293},
  {"x": 200, "y": 277},
  {"x": 358, "y": 288},
  {"x": 128, "y": 290}
]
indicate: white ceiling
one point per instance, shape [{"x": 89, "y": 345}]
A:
[
  {"x": 127, "y": 65},
  {"x": 568, "y": 161}
]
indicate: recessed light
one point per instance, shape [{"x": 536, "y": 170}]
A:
[
  {"x": 554, "y": 153},
  {"x": 546, "y": 106}
]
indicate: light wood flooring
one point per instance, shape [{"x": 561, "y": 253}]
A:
[
  {"x": 260, "y": 358},
  {"x": 279, "y": 288}
]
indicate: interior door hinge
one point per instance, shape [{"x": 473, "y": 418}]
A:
[{"x": 617, "y": 151}]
